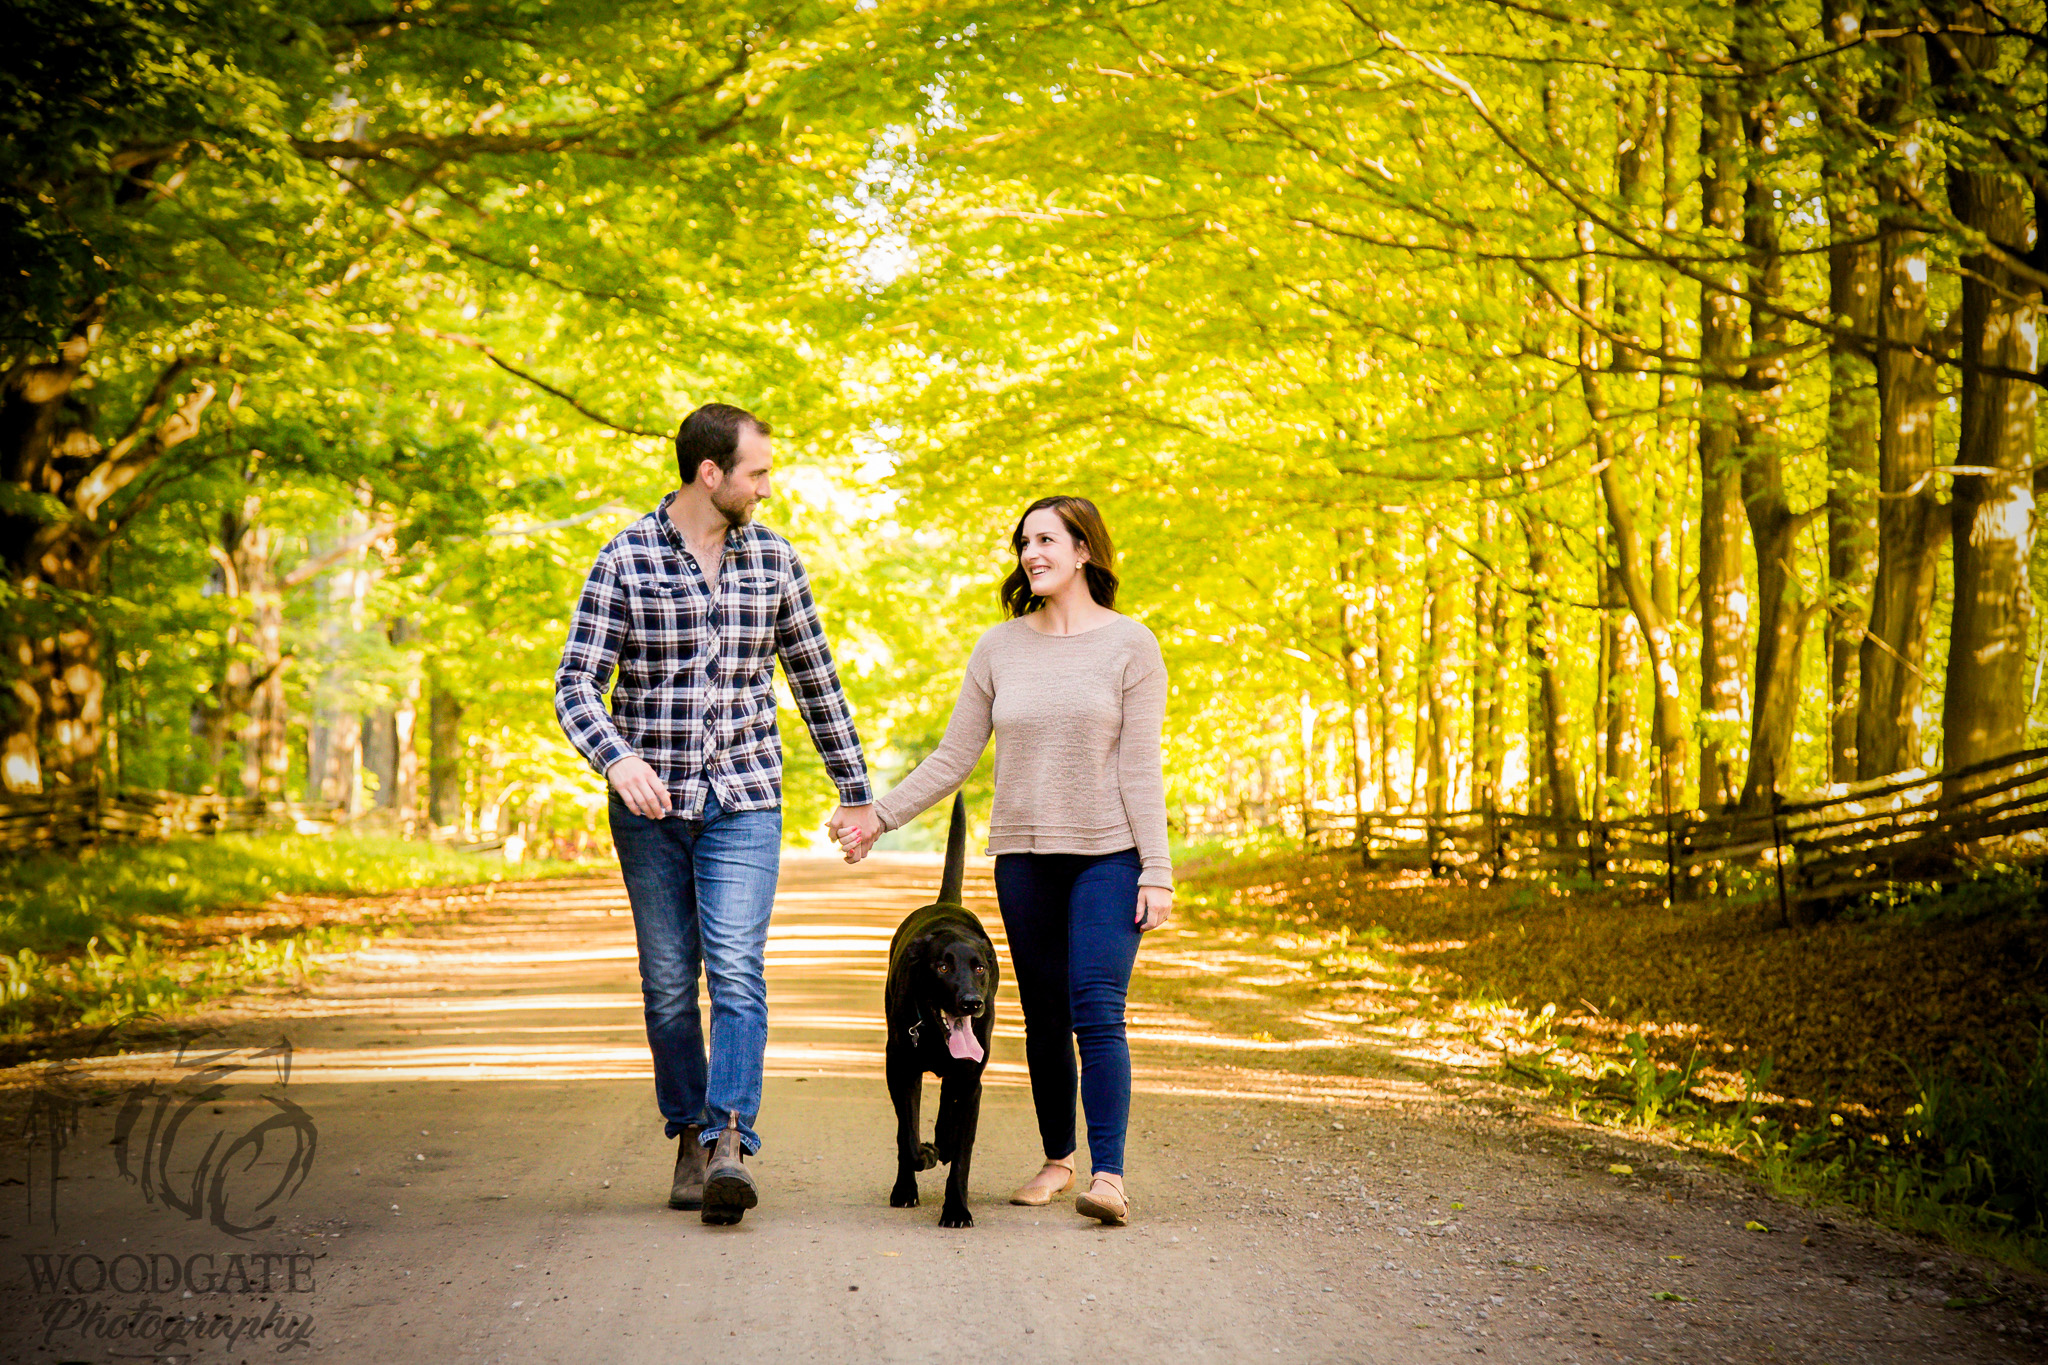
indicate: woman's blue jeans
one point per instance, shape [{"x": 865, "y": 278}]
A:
[
  {"x": 1072, "y": 923},
  {"x": 702, "y": 891}
]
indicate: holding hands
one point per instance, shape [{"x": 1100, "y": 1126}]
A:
[{"x": 855, "y": 829}]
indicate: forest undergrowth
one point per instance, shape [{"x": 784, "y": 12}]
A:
[
  {"x": 130, "y": 931},
  {"x": 1895, "y": 1062}
]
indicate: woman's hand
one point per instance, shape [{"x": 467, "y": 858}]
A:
[
  {"x": 855, "y": 828},
  {"x": 1155, "y": 903}
]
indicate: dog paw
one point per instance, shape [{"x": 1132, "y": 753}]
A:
[
  {"x": 927, "y": 1156},
  {"x": 903, "y": 1197},
  {"x": 950, "y": 1217}
]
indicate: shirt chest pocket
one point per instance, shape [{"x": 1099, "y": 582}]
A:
[
  {"x": 668, "y": 617},
  {"x": 747, "y": 603}
]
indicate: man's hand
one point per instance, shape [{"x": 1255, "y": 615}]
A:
[
  {"x": 1155, "y": 903},
  {"x": 638, "y": 787},
  {"x": 855, "y": 828}
]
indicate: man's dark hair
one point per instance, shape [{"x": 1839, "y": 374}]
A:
[{"x": 712, "y": 433}]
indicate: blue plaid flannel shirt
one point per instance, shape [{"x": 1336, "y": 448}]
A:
[{"x": 695, "y": 694}]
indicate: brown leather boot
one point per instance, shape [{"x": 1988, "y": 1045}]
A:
[
  {"x": 688, "y": 1190},
  {"x": 729, "y": 1189}
]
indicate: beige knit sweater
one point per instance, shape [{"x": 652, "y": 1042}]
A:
[{"x": 1076, "y": 719}]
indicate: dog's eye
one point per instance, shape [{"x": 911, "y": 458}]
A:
[
  {"x": 945, "y": 966},
  {"x": 981, "y": 971}
]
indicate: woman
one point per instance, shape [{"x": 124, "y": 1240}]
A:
[{"x": 1075, "y": 695}]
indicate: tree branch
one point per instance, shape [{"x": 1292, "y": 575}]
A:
[{"x": 484, "y": 349}]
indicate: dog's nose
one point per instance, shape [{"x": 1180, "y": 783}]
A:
[{"x": 971, "y": 1003}]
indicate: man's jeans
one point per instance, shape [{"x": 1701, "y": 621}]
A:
[{"x": 701, "y": 892}]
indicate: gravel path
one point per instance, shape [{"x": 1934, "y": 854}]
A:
[{"x": 489, "y": 1180}]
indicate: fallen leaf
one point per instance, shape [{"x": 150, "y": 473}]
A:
[
  {"x": 1753, "y": 1226},
  {"x": 1621, "y": 1168},
  {"x": 1666, "y": 1296}
]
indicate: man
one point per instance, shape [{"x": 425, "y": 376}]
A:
[{"x": 692, "y": 604}]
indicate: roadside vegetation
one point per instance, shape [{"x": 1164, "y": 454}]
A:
[
  {"x": 161, "y": 929},
  {"x": 1895, "y": 1063}
]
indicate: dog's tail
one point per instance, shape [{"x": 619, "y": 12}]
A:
[{"x": 956, "y": 854}]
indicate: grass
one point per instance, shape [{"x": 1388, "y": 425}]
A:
[
  {"x": 136, "y": 976},
  {"x": 1969, "y": 1163},
  {"x": 121, "y": 930},
  {"x": 51, "y": 903},
  {"x": 1997, "y": 891}
]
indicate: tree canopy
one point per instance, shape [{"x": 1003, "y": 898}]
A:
[{"x": 1495, "y": 405}]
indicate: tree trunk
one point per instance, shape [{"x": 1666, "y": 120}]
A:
[
  {"x": 1669, "y": 507},
  {"x": 380, "y": 757},
  {"x": 1486, "y": 673},
  {"x": 1618, "y": 451},
  {"x": 1384, "y": 671},
  {"x": 1535, "y": 735},
  {"x": 1909, "y": 520},
  {"x": 1784, "y": 606},
  {"x": 1624, "y": 654},
  {"x": 1308, "y": 766},
  {"x": 1560, "y": 779},
  {"x": 1496, "y": 712},
  {"x": 249, "y": 699},
  {"x": 266, "y": 753},
  {"x": 1436, "y": 686},
  {"x": 1724, "y": 604},
  {"x": 1671, "y": 495},
  {"x": 444, "y": 761},
  {"x": 1984, "y": 705},
  {"x": 337, "y": 775},
  {"x": 1852, "y": 400},
  {"x": 405, "y": 714},
  {"x": 60, "y": 481}
]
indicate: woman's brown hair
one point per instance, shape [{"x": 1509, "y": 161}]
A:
[{"x": 1084, "y": 524}]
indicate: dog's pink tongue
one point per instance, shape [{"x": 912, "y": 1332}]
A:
[{"x": 960, "y": 1039}]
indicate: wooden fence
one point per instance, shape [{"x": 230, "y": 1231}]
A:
[
  {"x": 1909, "y": 830},
  {"x": 1814, "y": 853},
  {"x": 74, "y": 818}
]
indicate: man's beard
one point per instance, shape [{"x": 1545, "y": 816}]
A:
[{"x": 737, "y": 512}]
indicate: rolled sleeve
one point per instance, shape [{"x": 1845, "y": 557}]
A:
[{"x": 814, "y": 682}]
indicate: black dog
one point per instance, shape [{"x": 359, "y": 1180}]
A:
[{"x": 940, "y": 1003}]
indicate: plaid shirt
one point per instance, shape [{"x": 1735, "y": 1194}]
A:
[{"x": 695, "y": 694}]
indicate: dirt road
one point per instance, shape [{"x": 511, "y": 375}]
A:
[{"x": 465, "y": 1164}]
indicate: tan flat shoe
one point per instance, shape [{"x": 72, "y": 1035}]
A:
[
  {"x": 1038, "y": 1198},
  {"x": 1104, "y": 1201}
]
